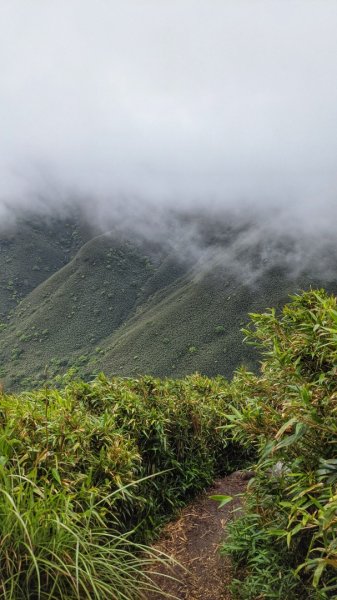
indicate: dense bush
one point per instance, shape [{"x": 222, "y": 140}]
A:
[
  {"x": 286, "y": 542},
  {"x": 89, "y": 471}
]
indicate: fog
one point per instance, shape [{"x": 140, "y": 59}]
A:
[{"x": 136, "y": 109}]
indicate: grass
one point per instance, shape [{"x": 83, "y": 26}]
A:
[
  {"x": 89, "y": 473},
  {"x": 50, "y": 550}
]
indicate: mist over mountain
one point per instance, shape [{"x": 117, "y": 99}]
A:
[
  {"x": 134, "y": 110},
  {"x": 166, "y": 167}
]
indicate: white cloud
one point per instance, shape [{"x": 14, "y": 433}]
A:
[{"x": 170, "y": 102}]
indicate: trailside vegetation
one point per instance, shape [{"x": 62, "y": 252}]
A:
[
  {"x": 89, "y": 472},
  {"x": 285, "y": 543}
]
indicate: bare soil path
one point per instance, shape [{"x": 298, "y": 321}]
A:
[{"x": 194, "y": 539}]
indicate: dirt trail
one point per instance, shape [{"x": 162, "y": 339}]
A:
[{"x": 194, "y": 539}]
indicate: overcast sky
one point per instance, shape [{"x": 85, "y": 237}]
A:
[{"x": 170, "y": 101}]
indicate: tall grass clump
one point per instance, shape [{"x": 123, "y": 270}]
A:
[
  {"x": 51, "y": 550},
  {"x": 285, "y": 545}
]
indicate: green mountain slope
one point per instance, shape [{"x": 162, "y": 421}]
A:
[
  {"x": 131, "y": 309},
  {"x": 193, "y": 324},
  {"x": 30, "y": 251},
  {"x": 64, "y": 319}
]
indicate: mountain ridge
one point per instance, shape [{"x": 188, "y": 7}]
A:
[{"x": 130, "y": 307}]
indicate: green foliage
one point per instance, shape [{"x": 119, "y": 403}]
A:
[
  {"x": 174, "y": 429},
  {"x": 192, "y": 349},
  {"x": 89, "y": 472},
  {"x": 221, "y": 499},
  {"x": 266, "y": 566},
  {"x": 288, "y": 414},
  {"x": 52, "y": 549}
]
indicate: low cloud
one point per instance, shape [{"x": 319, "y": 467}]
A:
[{"x": 137, "y": 111}]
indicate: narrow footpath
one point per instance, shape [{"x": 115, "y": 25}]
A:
[{"x": 194, "y": 540}]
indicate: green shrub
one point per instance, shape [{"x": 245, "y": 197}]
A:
[
  {"x": 89, "y": 472},
  {"x": 176, "y": 429},
  {"x": 288, "y": 413},
  {"x": 95, "y": 437},
  {"x": 192, "y": 349},
  {"x": 267, "y": 567}
]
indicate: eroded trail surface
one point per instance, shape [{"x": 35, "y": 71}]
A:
[{"x": 194, "y": 540}]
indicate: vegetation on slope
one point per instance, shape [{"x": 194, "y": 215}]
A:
[
  {"x": 102, "y": 303},
  {"x": 287, "y": 539},
  {"x": 117, "y": 309},
  {"x": 65, "y": 319},
  {"x": 193, "y": 324},
  {"x": 89, "y": 471},
  {"x": 31, "y": 251}
]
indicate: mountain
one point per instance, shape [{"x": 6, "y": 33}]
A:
[
  {"x": 31, "y": 250},
  {"x": 72, "y": 298}
]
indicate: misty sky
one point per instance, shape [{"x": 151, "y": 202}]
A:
[{"x": 177, "y": 102}]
